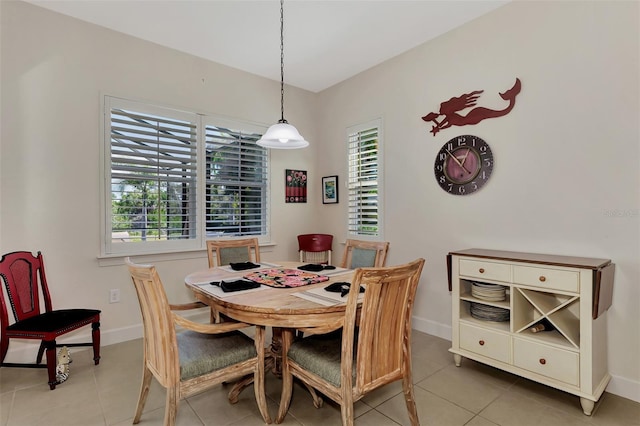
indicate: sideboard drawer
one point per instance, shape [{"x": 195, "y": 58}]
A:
[
  {"x": 551, "y": 279},
  {"x": 485, "y": 270},
  {"x": 550, "y": 362},
  {"x": 485, "y": 342}
]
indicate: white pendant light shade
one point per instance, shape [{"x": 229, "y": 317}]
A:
[{"x": 282, "y": 136}]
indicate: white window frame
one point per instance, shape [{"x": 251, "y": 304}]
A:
[
  {"x": 352, "y": 179},
  {"x": 107, "y": 246}
]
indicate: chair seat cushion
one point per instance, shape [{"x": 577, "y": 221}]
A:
[
  {"x": 55, "y": 321},
  {"x": 203, "y": 353},
  {"x": 321, "y": 354}
]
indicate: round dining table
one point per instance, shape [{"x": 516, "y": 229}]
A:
[{"x": 283, "y": 309}]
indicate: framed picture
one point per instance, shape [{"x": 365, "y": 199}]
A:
[
  {"x": 295, "y": 182},
  {"x": 329, "y": 189}
]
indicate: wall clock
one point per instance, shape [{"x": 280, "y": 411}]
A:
[{"x": 463, "y": 165}]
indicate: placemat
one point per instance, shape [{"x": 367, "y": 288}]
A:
[{"x": 285, "y": 277}]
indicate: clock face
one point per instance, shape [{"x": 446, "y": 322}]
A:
[{"x": 463, "y": 165}]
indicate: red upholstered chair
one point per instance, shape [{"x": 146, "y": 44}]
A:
[
  {"x": 315, "y": 248},
  {"x": 23, "y": 277}
]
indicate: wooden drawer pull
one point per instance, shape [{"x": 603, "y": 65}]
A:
[
  {"x": 481, "y": 342},
  {"x": 481, "y": 270},
  {"x": 542, "y": 278},
  {"x": 543, "y": 361}
]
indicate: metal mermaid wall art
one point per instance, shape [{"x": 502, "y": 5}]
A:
[{"x": 450, "y": 109}]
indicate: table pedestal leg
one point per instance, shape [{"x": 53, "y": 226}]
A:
[{"x": 276, "y": 351}]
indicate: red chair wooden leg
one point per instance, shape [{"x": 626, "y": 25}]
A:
[
  {"x": 95, "y": 337},
  {"x": 51, "y": 363},
  {"x": 4, "y": 347},
  {"x": 40, "y": 353}
]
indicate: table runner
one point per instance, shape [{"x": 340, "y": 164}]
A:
[{"x": 279, "y": 277}]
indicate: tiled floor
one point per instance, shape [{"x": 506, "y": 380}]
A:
[{"x": 473, "y": 395}]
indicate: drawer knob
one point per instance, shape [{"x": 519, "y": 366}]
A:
[
  {"x": 481, "y": 270},
  {"x": 481, "y": 342},
  {"x": 542, "y": 278},
  {"x": 543, "y": 361}
]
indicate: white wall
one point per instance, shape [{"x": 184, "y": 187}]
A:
[
  {"x": 54, "y": 71},
  {"x": 566, "y": 177}
]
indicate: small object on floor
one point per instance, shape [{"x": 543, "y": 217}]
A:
[{"x": 62, "y": 370}]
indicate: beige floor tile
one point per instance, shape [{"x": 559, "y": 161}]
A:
[
  {"x": 479, "y": 421},
  {"x": 20, "y": 378},
  {"x": 471, "y": 387},
  {"x": 214, "y": 408},
  {"x": 432, "y": 410},
  {"x": 6, "y": 400},
  {"x": 107, "y": 394},
  {"x": 374, "y": 418},
  {"x": 383, "y": 394},
  {"x": 552, "y": 397},
  {"x": 513, "y": 408},
  {"x": 185, "y": 417},
  {"x": 435, "y": 349},
  {"x": 614, "y": 410},
  {"x": 74, "y": 402}
]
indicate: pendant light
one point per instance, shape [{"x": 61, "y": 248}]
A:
[{"x": 282, "y": 135}]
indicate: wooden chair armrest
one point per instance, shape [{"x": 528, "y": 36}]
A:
[
  {"x": 223, "y": 327},
  {"x": 187, "y": 306}
]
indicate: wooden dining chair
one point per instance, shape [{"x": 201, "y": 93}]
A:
[
  {"x": 198, "y": 357},
  {"x": 364, "y": 254},
  {"x": 315, "y": 248},
  {"x": 25, "y": 283},
  {"x": 347, "y": 365},
  {"x": 224, "y": 252}
]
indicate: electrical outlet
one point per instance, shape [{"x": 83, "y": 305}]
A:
[{"x": 114, "y": 295}]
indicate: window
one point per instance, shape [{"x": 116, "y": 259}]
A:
[
  {"x": 365, "y": 173},
  {"x": 156, "y": 161}
]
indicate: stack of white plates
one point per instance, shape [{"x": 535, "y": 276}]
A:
[
  {"x": 489, "y": 313},
  {"x": 488, "y": 292}
]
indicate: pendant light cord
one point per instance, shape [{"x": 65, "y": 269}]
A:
[{"x": 282, "y": 120}]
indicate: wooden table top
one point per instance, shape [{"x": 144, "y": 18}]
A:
[{"x": 276, "y": 307}]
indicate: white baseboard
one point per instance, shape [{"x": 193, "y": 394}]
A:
[
  {"x": 624, "y": 387},
  {"x": 618, "y": 385}
]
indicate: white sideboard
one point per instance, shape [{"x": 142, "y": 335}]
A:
[{"x": 570, "y": 293}]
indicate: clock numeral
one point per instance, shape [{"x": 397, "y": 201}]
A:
[
  {"x": 461, "y": 189},
  {"x": 439, "y": 168},
  {"x": 442, "y": 179},
  {"x": 462, "y": 141}
]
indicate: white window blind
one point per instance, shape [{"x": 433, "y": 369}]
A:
[
  {"x": 153, "y": 176},
  {"x": 175, "y": 178},
  {"x": 236, "y": 183},
  {"x": 364, "y": 209}
]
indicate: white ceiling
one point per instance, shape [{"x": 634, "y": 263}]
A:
[{"x": 325, "y": 41}]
